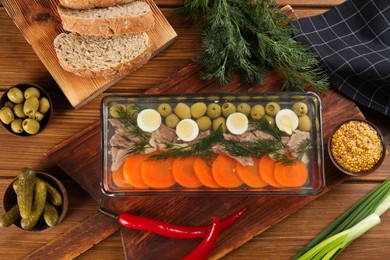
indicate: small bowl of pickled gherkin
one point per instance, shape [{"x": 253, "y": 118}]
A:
[
  {"x": 25, "y": 109},
  {"x": 34, "y": 201}
]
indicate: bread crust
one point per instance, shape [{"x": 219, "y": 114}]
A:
[
  {"x": 108, "y": 26},
  {"x": 121, "y": 69},
  {"x": 89, "y": 4}
]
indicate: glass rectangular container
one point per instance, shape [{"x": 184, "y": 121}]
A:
[{"x": 121, "y": 138}]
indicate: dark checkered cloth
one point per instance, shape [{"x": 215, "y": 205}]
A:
[{"x": 352, "y": 40}]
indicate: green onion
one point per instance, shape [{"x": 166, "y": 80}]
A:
[{"x": 362, "y": 216}]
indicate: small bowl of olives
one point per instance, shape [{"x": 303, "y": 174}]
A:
[
  {"x": 25, "y": 109},
  {"x": 54, "y": 209}
]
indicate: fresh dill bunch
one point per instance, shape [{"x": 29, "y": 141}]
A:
[
  {"x": 201, "y": 148},
  {"x": 252, "y": 37}
]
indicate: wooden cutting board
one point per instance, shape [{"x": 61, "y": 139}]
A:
[
  {"x": 79, "y": 157},
  {"x": 40, "y": 23}
]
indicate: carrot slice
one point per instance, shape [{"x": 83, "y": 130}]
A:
[
  {"x": 224, "y": 172},
  {"x": 158, "y": 173},
  {"x": 266, "y": 170},
  {"x": 203, "y": 172},
  {"x": 250, "y": 174},
  {"x": 132, "y": 170},
  {"x": 119, "y": 179},
  {"x": 184, "y": 174},
  {"x": 294, "y": 175}
]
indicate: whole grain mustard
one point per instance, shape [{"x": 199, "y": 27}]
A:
[{"x": 356, "y": 146}]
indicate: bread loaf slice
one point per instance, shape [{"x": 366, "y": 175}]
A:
[
  {"x": 134, "y": 17},
  {"x": 102, "y": 56},
  {"x": 88, "y": 4}
]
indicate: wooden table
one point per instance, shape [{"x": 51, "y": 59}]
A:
[{"x": 18, "y": 63}]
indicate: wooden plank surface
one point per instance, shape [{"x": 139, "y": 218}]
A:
[
  {"x": 40, "y": 23},
  {"x": 19, "y": 63}
]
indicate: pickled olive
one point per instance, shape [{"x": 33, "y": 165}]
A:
[
  {"x": 198, "y": 109},
  {"x": 300, "y": 108},
  {"x": 244, "y": 108},
  {"x": 204, "y": 123},
  {"x": 16, "y": 126},
  {"x": 132, "y": 111},
  {"x": 164, "y": 109},
  {"x": 182, "y": 110},
  {"x": 257, "y": 112},
  {"x": 31, "y": 92},
  {"x": 6, "y": 115},
  {"x": 228, "y": 109},
  {"x": 116, "y": 109},
  {"x": 44, "y": 105},
  {"x": 9, "y": 104},
  {"x": 38, "y": 116},
  {"x": 31, "y": 106},
  {"x": 304, "y": 123},
  {"x": 272, "y": 108},
  {"x": 220, "y": 121},
  {"x": 270, "y": 119},
  {"x": 213, "y": 110},
  {"x": 31, "y": 126},
  {"x": 15, "y": 95},
  {"x": 18, "y": 111},
  {"x": 172, "y": 120}
]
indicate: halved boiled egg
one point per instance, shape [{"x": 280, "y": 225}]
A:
[
  {"x": 237, "y": 123},
  {"x": 286, "y": 120},
  {"x": 187, "y": 130},
  {"x": 149, "y": 120}
]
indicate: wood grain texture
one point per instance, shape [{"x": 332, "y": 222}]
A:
[
  {"x": 79, "y": 157},
  {"x": 40, "y": 23}
]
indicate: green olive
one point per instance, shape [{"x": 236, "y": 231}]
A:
[
  {"x": 16, "y": 126},
  {"x": 257, "y": 112},
  {"x": 115, "y": 110},
  {"x": 228, "y": 109},
  {"x": 132, "y": 111},
  {"x": 304, "y": 123},
  {"x": 18, "y": 111},
  {"x": 172, "y": 120},
  {"x": 164, "y": 109},
  {"x": 38, "y": 116},
  {"x": 204, "y": 123},
  {"x": 6, "y": 115},
  {"x": 220, "y": 121},
  {"x": 9, "y": 104},
  {"x": 182, "y": 110},
  {"x": 15, "y": 95},
  {"x": 244, "y": 108},
  {"x": 198, "y": 109},
  {"x": 32, "y": 92},
  {"x": 44, "y": 105},
  {"x": 213, "y": 110},
  {"x": 272, "y": 108},
  {"x": 300, "y": 108},
  {"x": 31, "y": 126},
  {"x": 31, "y": 106},
  {"x": 270, "y": 119}
]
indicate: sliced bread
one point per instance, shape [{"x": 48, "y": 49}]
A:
[
  {"x": 102, "y": 56},
  {"x": 88, "y": 4},
  {"x": 134, "y": 17}
]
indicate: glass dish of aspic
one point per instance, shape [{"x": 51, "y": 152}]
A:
[{"x": 246, "y": 143}]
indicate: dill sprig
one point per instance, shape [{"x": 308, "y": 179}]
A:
[
  {"x": 251, "y": 37},
  {"x": 201, "y": 148},
  {"x": 257, "y": 148}
]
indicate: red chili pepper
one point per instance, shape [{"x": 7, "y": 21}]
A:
[
  {"x": 169, "y": 230},
  {"x": 206, "y": 246}
]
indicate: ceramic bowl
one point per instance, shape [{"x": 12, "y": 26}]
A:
[
  {"x": 360, "y": 172},
  {"x": 10, "y": 200},
  {"x": 47, "y": 116}
]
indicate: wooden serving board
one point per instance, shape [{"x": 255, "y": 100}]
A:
[
  {"x": 40, "y": 23},
  {"x": 79, "y": 157}
]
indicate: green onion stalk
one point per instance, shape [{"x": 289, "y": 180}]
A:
[{"x": 361, "y": 217}]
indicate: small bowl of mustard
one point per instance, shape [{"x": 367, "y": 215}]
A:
[{"x": 356, "y": 147}]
